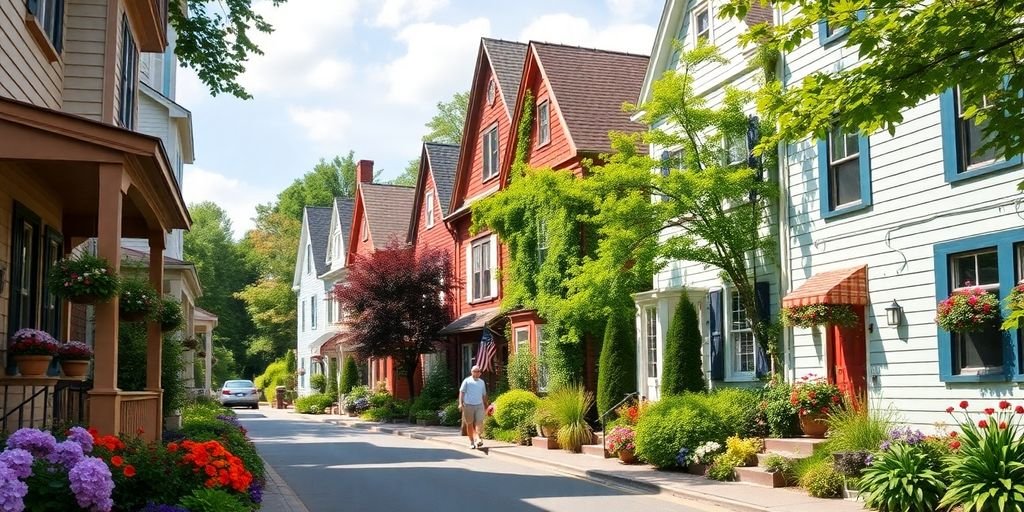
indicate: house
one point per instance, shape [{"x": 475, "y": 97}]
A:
[
  {"x": 428, "y": 231},
  {"x": 730, "y": 355},
  {"x": 380, "y": 218},
  {"x": 311, "y": 292},
  {"x": 900, "y": 220},
  {"x": 334, "y": 272},
  {"x": 478, "y": 256},
  {"x": 72, "y": 168},
  {"x": 577, "y": 96}
]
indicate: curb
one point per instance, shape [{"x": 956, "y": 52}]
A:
[
  {"x": 287, "y": 495},
  {"x": 596, "y": 475}
]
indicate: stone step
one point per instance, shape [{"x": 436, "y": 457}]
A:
[
  {"x": 546, "y": 443},
  {"x": 804, "y": 446},
  {"x": 762, "y": 457},
  {"x": 758, "y": 476},
  {"x": 595, "y": 450}
]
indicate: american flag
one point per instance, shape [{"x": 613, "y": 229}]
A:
[{"x": 488, "y": 349}]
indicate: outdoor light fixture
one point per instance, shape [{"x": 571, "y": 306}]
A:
[{"x": 894, "y": 314}]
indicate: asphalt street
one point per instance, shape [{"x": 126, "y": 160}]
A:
[{"x": 331, "y": 468}]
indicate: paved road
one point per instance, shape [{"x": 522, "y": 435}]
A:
[{"x": 332, "y": 468}]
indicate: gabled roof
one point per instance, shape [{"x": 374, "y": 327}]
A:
[
  {"x": 343, "y": 208},
  {"x": 506, "y": 59},
  {"x": 346, "y": 207},
  {"x": 437, "y": 161},
  {"x": 318, "y": 219},
  {"x": 387, "y": 209},
  {"x": 182, "y": 119},
  {"x": 589, "y": 87}
]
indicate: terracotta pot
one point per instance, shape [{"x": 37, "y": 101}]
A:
[
  {"x": 546, "y": 431},
  {"x": 88, "y": 300},
  {"x": 32, "y": 365},
  {"x": 697, "y": 469},
  {"x": 813, "y": 424},
  {"x": 74, "y": 368},
  {"x": 627, "y": 456}
]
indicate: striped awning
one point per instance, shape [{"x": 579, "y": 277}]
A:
[{"x": 842, "y": 286}]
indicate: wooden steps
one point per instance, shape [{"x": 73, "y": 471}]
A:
[{"x": 792, "y": 448}]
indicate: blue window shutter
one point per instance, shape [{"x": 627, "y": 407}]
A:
[
  {"x": 715, "y": 315},
  {"x": 762, "y": 290},
  {"x": 33, "y": 6}
]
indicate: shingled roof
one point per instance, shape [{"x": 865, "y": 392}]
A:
[
  {"x": 443, "y": 159},
  {"x": 346, "y": 208},
  {"x": 319, "y": 226},
  {"x": 387, "y": 209},
  {"x": 590, "y": 87},
  {"x": 507, "y": 61}
]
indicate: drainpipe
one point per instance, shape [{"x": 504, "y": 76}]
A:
[{"x": 784, "y": 225}]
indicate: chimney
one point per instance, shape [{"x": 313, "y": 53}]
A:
[{"x": 364, "y": 171}]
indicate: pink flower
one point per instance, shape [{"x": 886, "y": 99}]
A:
[
  {"x": 949, "y": 409},
  {"x": 1004, "y": 405},
  {"x": 990, "y": 411},
  {"x": 963, "y": 404},
  {"x": 982, "y": 424},
  {"x": 972, "y": 300}
]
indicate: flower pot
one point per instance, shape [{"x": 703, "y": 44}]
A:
[
  {"x": 697, "y": 469},
  {"x": 627, "y": 456},
  {"x": 88, "y": 300},
  {"x": 33, "y": 365},
  {"x": 546, "y": 431},
  {"x": 74, "y": 367},
  {"x": 813, "y": 424}
]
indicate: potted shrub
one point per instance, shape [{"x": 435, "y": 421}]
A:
[
  {"x": 703, "y": 457},
  {"x": 169, "y": 315},
  {"x": 547, "y": 425},
  {"x": 138, "y": 301},
  {"x": 967, "y": 310},
  {"x": 74, "y": 358},
  {"x": 813, "y": 397},
  {"x": 813, "y": 315},
  {"x": 32, "y": 350},
  {"x": 84, "y": 279},
  {"x": 621, "y": 441}
]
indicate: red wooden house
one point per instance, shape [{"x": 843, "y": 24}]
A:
[
  {"x": 478, "y": 257},
  {"x": 380, "y": 218},
  {"x": 578, "y": 95}
]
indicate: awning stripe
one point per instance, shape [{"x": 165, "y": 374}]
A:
[{"x": 842, "y": 286}]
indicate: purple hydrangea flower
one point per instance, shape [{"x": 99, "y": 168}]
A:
[
  {"x": 35, "y": 441},
  {"x": 82, "y": 437},
  {"x": 232, "y": 420},
  {"x": 19, "y": 461},
  {"x": 12, "y": 491},
  {"x": 256, "y": 492},
  {"x": 66, "y": 454},
  {"x": 92, "y": 484}
]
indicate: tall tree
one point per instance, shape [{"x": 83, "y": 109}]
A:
[
  {"x": 616, "y": 374},
  {"x": 908, "y": 51},
  {"x": 445, "y": 127},
  {"x": 682, "y": 366},
  {"x": 216, "y": 43},
  {"x": 395, "y": 305},
  {"x": 318, "y": 187}
]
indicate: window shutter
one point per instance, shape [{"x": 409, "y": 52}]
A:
[
  {"x": 58, "y": 26},
  {"x": 33, "y": 6},
  {"x": 715, "y": 315},
  {"x": 762, "y": 290},
  {"x": 494, "y": 265},
  {"x": 469, "y": 273}
]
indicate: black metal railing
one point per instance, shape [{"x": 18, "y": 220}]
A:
[
  {"x": 43, "y": 405},
  {"x": 70, "y": 402},
  {"x": 604, "y": 415}
]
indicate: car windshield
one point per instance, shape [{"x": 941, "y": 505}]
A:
[{"x": 237, "y": 384}]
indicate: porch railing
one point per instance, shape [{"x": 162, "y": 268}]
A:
[
  {"x": 41, "y": 403},
  {"x": 140, "y": 414}
]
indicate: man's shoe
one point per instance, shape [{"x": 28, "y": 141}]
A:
[
  {"x": 479, "y": 443},
  {"x": 472, "y": 446}
]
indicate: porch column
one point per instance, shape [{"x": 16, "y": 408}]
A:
[
  {"x": 154, "y": 338},
  {"x": 104, "y": 402},
  {"x": 208, "y": 360}
]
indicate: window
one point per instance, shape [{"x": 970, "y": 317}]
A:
[
  {"x": 467, "y": 359},
  {"x": 24, "y": 277},
  {"x": 330, "y": 310},
  {"x": 844, "y": 168},
  {"x": 670, "y": 160},
  {"x": 303, "y": 313},
  {"x": 302, "y": 374},
  {"x": 543, "y": 124},
  {"x": 992, "y": 262},
  {"x": 336, "y": 244},
  {"x": 736, "y": 152},
  {"x": 651, "y": 336},
  {"x": 490, "y": 153},
  {"x": 542, "y": 367},
  {"x": 312, "y": 312},
  {"x": 543, "y": 240},
  {"x": 53, "y": 251},
  {"x": 828, "y": 34},
  {"x": 522, "y": 339},
  {"x": 702, "y": 25},
  {"x": 492, "y": 90},
  {"x": 482, "y": 270},
  {"x": 430, "y": 209},
  {"x": 963, "y": 138},
  {"x": 129, "y": 75},
  {"x": 50, "y": 15},
  {"x": 742, "y": 338},
  {"x": 309, "y": 258}
]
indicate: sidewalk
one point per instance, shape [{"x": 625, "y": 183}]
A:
[
  {"x": 277, "y": 496},
  {"x": 640, "y": 477}
]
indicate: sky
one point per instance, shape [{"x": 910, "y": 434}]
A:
[{"x": 365, "y": 75}]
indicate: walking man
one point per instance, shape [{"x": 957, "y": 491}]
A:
[{"x": 473, "y": 403}]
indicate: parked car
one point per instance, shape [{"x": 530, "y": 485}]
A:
[{"x": 240, "y": 392}]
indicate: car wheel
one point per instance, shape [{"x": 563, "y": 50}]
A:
[{"x": 255, "y": 406}]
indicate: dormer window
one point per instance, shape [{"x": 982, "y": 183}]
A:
[{"x": 492, "y": 89}]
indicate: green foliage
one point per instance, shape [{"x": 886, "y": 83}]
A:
[
  {"x": 902, "y": 480},
  {"x": 83, "y": 275},
  {"x": 853, "y": 428},
  {"x": 275, "y": 375},
  {"x": 568, "y": 406},
  {"x": 822, "y": 480},
  {"x": 776, "y": 413},
  {"x": 683, "y": 344},
  {"x": 318, "y": 382},
  {"x": 521, "y": 370},
  {"x": 451, "y": 415},
  {"x": 170, "y": 315},
  {"x": 447, "y": 123},
  {"x": 290, "y": 363},
  {"x": 987, "y": 472},
  {"x": 722, "y": 470},
  {"x": 131, "y": 365},
  {"x": 214, "y": 500},
  {"x": 137, "y": 297},
  {"x": 437, "y": 391},
  {"x": 513, "y": 412},
  {"x": 616, "y": 373},
  {"x": 813, "y": 315},
  {"x": 349, "y": 375},
  {"x": 776, "y": 463},
  {"x": 319, "y": 403},
  {"x": 332, "y": 376}
]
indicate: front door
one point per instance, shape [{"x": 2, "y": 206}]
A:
[
  {"x": 650, "y": 352},
  {"x": 848, "y": 365}
]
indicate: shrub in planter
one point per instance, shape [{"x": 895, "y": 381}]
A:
[
  {"x": 989, "y": 458},
  {"x": 902, "y": 479},
  {"x": 169, "y": 315},
  {"x": 967, "y": 310},
  {"x": 672, "y": 423},
  {"x": 822, "y": 481},
  {"x": 569, "y": 406},
  {"x": 776, "y": 463},
  {"x": 314, "y": 404},
  {"x": 138, "y": 300},
  {"x": 318, "y": 383},
  {"x": 620, "y": 438},
  {"x": 683, "y": 344},
  {"x": 33, "y": 342},
  {"x": 813, "y": 398},
  {"x": 819, "y": 314},
  {"x": 84, "y": 279},
  {"x": 856, "y": 429}
]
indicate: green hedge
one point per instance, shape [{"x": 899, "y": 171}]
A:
[
  {"x": 616, "y": 374},
  {"x": 692, "y": 419},
  {"x": 316, "y": 403},
  {"x": 513, "y": 416}
]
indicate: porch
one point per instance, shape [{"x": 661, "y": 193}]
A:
[{"x": 63, "y": 181}]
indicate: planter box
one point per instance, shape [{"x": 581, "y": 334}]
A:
[
  {"x": 697, "y": 469},
  {"x": 547, "y": 443}
]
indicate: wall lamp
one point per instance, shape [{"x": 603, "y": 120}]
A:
[{"x": 894, "y": 314}]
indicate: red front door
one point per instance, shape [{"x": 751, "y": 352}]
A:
[{"x": 848, "y": 362}]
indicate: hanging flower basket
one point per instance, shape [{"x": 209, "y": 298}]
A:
[
  {"x": 170, "y": 315},
  {"x": 190, "y": 343},
  {"x": 138, "y": 301},
  {"x": 1015, "y": 304},
  {"x": 814, "y": 315},
  {"x": 84, "y": 279},
  {"x": 972, "y": 309}
]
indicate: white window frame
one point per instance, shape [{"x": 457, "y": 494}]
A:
[
  {"x": 480, "y": 278},
  {"x": 958, "y": 284},
  {"x": 521, "y": 338},
  {"x": 543, "y": 123},
  {"x": 309, "y": 258},
  {"x": 709, "y": 32},
  {"x": 491, "y": 152},
  {"x": 312, "y": 312},
  {"x": 728, "y": 142},
  {"x": 466, "y": 361},
  {"x": 429, "y": 213},
  {"x": 651, "y": 340},
  {"x": 302, "y": 308},
  {"x": 835, "y": 160},
  {"x": 733, "y": 349},
  {"x": 330, "y": 310}
]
